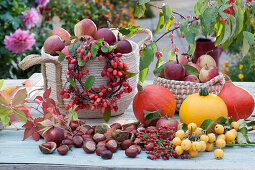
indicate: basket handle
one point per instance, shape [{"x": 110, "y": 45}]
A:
[
  {"x": 142, "y": 31},
  {"x": 34, "y": 59}
]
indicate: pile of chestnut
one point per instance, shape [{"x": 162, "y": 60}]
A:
[{"x": 104, "y": 140}]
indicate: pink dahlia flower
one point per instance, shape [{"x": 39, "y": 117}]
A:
[
  {"x": 30, "y": 17},
  {"x": 42, "y": 2},
  {"x": 19, "y": 41}
]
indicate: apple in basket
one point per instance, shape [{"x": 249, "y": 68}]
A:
[
  {"x": 207, "y": 73},
  {"x": 206, "y": 60},
  {"x": 174, "y": 71},
  {"x": 53, "y": 44}
]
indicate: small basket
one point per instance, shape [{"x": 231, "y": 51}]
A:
[
  {"x": 54, "y": 75},
  {"x": 182, "y": 89}
]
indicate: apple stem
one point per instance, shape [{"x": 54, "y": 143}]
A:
[
  {"x": 140, "y": 88},
  {"x": 177, "y": 59}
]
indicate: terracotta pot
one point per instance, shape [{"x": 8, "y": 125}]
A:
[{"x": 206, "y": 45}]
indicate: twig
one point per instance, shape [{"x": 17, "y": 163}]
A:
[{"x": 240, "y": 145}]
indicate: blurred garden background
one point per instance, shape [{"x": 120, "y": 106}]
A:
[{"x": 25, "y": 25}]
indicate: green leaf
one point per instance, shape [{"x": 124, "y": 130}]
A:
[
  {"x": 226, "y": 44},
  {"x": 141, "y": 2},
  {"x": 241, "y": 139},
  {"x": 21, "y": 115},
  {"x": 208, "y": 19},
  {"x": 222, "y": 120},
  {"x": 194, "y": 29},
  {"x": 129, "y": 74},
  {"x": 72, "y": 48},
  {"x": 224, "y": 15},
  {"x": 239, "y": 14},
  {"x": 170, "y": 55},
  {"x": 183, "y": 26},
  {"x": 207, "y": 124},
  {"x": 61, "y": 56},
  {"x": 167, "y": 12},
  {"x": 184, "y": 126},
  {"x": 140, "y": 9},
  {"x": 249, "y": 37},
  {"x": 244, "y": 131},
  {"x": 89, "y": 82},
  {"x": 81, "y": 63},
  {"x": 190, "y": 37},
  {"x": 245, "y": 47},
  {"x": 232, "y": 20},
  {"x": 150, "y": 116},
  {"x": 107, "y": 49},
  {"x": 169, "y": 23},
  {"x": 129, "y": 30},
  {"x": 190, "y": 69},
  {"x": 160, "y": 22},
  {"x": 72, "y": 82},
  {"x": 1, "y": 83},
  {"x": 158, "y": 62},
  {"x": 192, "y": 49},
  {"x": 251, "y": 123},
  {"x": 107, "y": 114},
  {"x": 143, "y": 74},
  {"x": 99, "y": 41},
  {"x": 241, "y": 123},
  {"x": 94, "y": 50},
  {"x": 200, "y": 7},
  {"x": 5, "y": 120},
  {"x": 73, "y": 37},
  {"x": 147, "y": 56},
  {"x": 156, "y": 71},
  {"x": 227, "y": 31}
]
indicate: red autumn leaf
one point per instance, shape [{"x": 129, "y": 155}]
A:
[
  {"x": 46, "y": 94},
  {"x": 39, "y": 98},
  {"x": 19, "y": 97},
  {"x": 28, "y": 132},
  {"x": 45, "y": 105},
  {"x": 28, "y": 125},
  {"x": 26, "y": 110},
  {"x": 37, "y": 120},
  {"x": 27, "y": 84},
  {"x": 36, "y": 136},
  {"x": 49, "y": 100}
]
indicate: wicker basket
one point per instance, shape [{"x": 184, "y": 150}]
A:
[
  {"x": 54, "y": 74},
  {"x": 182, "y": 89}
]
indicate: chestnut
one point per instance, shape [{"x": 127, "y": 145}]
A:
[
  {"x": 78, "y": 133},
  {"x": 108, "y": 135},
  {"x": 89, "y": 147},
  {"x": 149, "y": 146},
  {"x": 131, "y": 152},
  {"x": 106, "y": 154},
  {"x": 116, "y": 125},
  {"x": 77, "y": 141},
  {"x": 74, "y": 124},
  {"x": 126, "y": 143},
  {"x": 100, "y": 149},
  {"x": 129, "y": 128},
  {"x": 90, "y": 131},
  {"x": 67, "y": 142},
  {"x": 48, "y": 147},
  {"x": 112, "y": 145},
  {"x": 136, "y": 146},
  {"x": 98, "y": 137},
  {"x": 63, "y": 149},
  {"x": 101, "y": 143}
]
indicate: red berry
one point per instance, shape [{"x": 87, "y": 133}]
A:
[
  {"x": 109, "y": 56},
  {"x": 188, "y": 16},
  {"x": 100, "y": 58},
  {"x": 67, "y": 107},
  {"x": 120, "y": 73},
  {"x": 66, "y": 96},
  {"x": 68, "y": 57},
  {"x": 115, "y": 72},
  {"x": 100, "y": 94},
  {"x": 89, "y": 54},
  {"x": 119, "y": 54},
  {"x": 182, "y": 36},
  {"x": 113, "y": 100},
  {"x": 105, "y": 104},
  {"x": 115, "y": 108},
  {"x": 78, "y": 50},
  {"x": 70, "y": 67},
  {"x": 120, "y": 65},
  {"x": 73, "y": 61},
  {"x": 102, "y": 110},
  {"x": 158, "y": 54},
  {"x": 104, "y": 91},
  {"x": 92, "y": 96},
  {"x": 62, "y": 92},
  {"x": 110, "y": 70},
  {"x": 109, "y": 89},
  {"x": 93, "y": 107},
  {"x": 170, "y": 35},
  {"x": 110, "y": 107},
  {"x": 85, "y": 93}
]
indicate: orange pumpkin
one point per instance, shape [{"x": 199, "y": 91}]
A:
[
  {"x": 240, "y": 103},
  {"x": 152, "y": 98}
]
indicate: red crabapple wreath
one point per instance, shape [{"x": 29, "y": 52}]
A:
[{"x": 104, "y": 98}]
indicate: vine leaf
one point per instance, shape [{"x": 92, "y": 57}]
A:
[
  {"x": 150, "y": 116},
  {"x": 207, "y": 124},
  {"x": 129, "y": 74},
  {"x": 241, "y": 139},
  {"x": 107, "y": 114},
  {"x": 19, "y": 97},
  {"x": 72, "y": 82},
  {"x": 140, "y": 9},
  {"x": 61, "y": 56},
  {"x": 190, "y": 69},
  {"x": 89, "y": 83}
]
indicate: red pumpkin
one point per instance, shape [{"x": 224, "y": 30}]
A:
[
  {"x": 152, "y": 98},
  {"x": 240, "y": 103}
]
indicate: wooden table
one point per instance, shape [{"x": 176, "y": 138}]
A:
[{"x": 18, "y": 154}]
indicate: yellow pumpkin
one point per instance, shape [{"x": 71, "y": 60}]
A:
[{"x": 201, "y": 106}]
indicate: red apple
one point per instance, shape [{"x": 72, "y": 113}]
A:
[
  {"x": 191, "y": 78},
  {"x": 54, "y": 135},
  {"x": 107, "y": 34},
  {"x": 123, "y": 46},
  {"x": 53, "y": 44},
  {"x": 63, "y": 34},
  {"x": 85, "y": 27},
  {"x": 194, "y": 65},
  {"x": 181, "y": 59},
  {"x": 206, "y": 60},
  {"x": 207, "y": 73},
  {"x": 174, "y": 71},
  {"x": 167, "y": 123}
]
